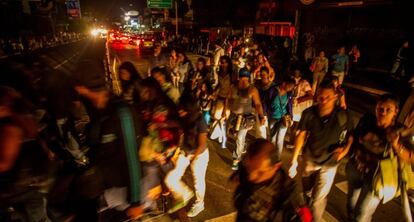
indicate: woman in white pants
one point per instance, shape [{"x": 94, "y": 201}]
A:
[{"x": 193, "y": 153}]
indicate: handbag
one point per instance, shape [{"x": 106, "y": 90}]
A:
[
  {"x": 287, "y": 120},
  {"x": 387, "y": 181},
  {"x": 312, "y": 67},
  {"x": 249, "y": 121}
]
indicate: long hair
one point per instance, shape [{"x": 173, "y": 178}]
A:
[
  {"x": 158, "y": 97},
  {"x": 190, "y": 105},
  {"x": 229, "y": 70},
  {"x": 135, "y": 76}
]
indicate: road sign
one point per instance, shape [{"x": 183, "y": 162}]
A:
[
  {"x": 73, "y": 8},
  {"x": 159, "y": 3}
]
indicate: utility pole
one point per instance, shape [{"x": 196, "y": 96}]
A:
[{"x": 176, "y": 17}]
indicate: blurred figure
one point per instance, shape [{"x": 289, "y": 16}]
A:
[
  {"x": 280, "y": 116},
  {"x": 264, "y": 190},
  {"x": 160, "y": 74},
  {"x": 267, "y": 92},
  {"x": 114, "y": 139},
  {"x": 130, "y": 82},
  {"x": 340, "y": 92},
  {"x": 241, "y": 57},
  {"x": 204, "y": 95},
  {"x": 378, "y": 137},
  {"x": 244, "y": 104},
  {"x": 221, "y": 95},
  {"x": 24, "y": 162},
  {"x": 340, "y": 63},
  {"x": 302, "y": 95},
  {"x": 319, "y": 68},
  {"x": 217, "y": 54},
  {"x": 183, "y": 70},
  {"x": 157, "y": 59},
  {"x": 354, "y": 55},
  {"x": 161, "y": 139},
  {"x": 194, "y": 152},
  {"x": 398, "y": 68},
  {"x": 201, "y": 74},
  {"x": 173, "y": 63},
  {"x": 261, "y": 61},
  {"x": 324, "y": 132}
]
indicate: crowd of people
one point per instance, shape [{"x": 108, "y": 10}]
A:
[
  {"x": 29, "y": 43},
  {"x": 136, "y": 146}
]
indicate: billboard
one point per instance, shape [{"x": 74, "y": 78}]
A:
[
  {"x": 73, "y": 8},
  {"x": 159, "y": 3}
]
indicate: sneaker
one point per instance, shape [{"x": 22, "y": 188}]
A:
[
  {"x": 235, "y": 165},
  {"x": 196, "y": 209},
  {"x": 179, "y": 204}
]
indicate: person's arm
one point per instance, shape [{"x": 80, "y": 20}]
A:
[
  {"x": 326, "y": 66},
  {"x": 11, "y": 138},
  {"x": 258, "y": 105},
  {"x": 296, "y": 197},
  {"x": 299, "y": 142},
  {"x": 342, "y": 102},
  {"x": 342, "y": 152},
  {"x": 404, "y": 153},
  {"x": 308, "y": 95}
]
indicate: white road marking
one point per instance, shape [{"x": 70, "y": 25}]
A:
[
  {"x": 65, "y": 61},
  {"x": 342, "y": 186}
]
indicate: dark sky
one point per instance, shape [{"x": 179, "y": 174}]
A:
[
  {"x": 111, "y": 8},
  {"x": 215, "y": 11}
]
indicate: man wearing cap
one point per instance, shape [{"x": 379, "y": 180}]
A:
[{"x": 243, "y": 96}]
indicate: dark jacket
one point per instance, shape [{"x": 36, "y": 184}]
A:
[
  {"x": 108, "y": 145},
  {"x": 262, "y": 202}
]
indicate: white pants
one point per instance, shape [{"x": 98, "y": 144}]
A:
[
  {"x": 115, "y": 198},
  {"x": 261, "y": 130},
  {"x": 340, "y": 76},
  {"x": 324, "y": 180},
  {"x": 198, "y": 168}
]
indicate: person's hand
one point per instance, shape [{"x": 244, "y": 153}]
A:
[
  {"x": 293, "y": 169},
  {"x": 395, "y": 139},
  {"x": 262, "y": 120},
  {"x": 339, "y": 153},
  {"x": 159, "y": 158},
  {"x": 223, "y": 115},
  {"x": 135, "y": 212}
]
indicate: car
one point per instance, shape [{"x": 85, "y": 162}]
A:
[
  {"x": 147, "y": 41},
  {"x": 135, "y": 40},
  {"x": 114, "y": 37}
]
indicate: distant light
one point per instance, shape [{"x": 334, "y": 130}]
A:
[
  {"x": 126, "y": 18},
  {"x": 94, "y": 32}
]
